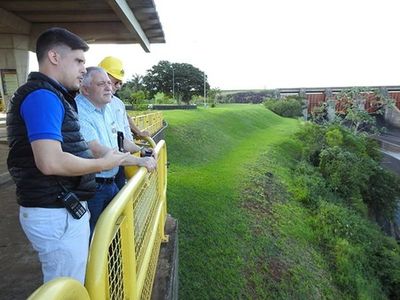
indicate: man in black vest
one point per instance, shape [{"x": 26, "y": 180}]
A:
[{"x": 49, "y": 160}]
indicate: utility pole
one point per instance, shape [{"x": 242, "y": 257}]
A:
[
  {"x": 205, "y": 90},
  {"x": 173, "y": 82}
]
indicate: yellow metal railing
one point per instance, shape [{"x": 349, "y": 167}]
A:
[
  {"x": 126, "y": 241},
  {"x": 151, "y": 122},
  {"x": 64, "y": 288}
]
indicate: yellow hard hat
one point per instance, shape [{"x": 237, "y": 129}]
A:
[{"x": 113, "y": 66}]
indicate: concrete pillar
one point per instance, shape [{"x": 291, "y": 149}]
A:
[
  {"x": 360, "y": 102},
  {"x": 383, "y": 92},
  {"x": 305, "y": 108},
  {"x": 328, "y": 93},
  {"x": 331, "y": 108},
  {"x": 303, "y": 94},
  {"x": 14, "y": 56}
]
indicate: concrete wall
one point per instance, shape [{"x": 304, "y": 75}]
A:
[
  {"x": 14, "y": 55},
  {"x": 392, "y": 116}
]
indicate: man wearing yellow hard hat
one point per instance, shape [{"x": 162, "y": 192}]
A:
[{"x": 114, "y": 68}]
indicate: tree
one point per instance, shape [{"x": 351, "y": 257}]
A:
[
  {"x": 213, "y": 94},
  {"x": 130, "y": 87},
  {"x": 356, "y": 116},
  {"x": 355, "y": 108},
  {"x": 180, "y": 80}
]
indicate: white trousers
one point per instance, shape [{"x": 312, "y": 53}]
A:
[{"x": 61, "y": 241}]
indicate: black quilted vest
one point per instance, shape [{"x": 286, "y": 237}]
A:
[{"x": 34, "y": 189}]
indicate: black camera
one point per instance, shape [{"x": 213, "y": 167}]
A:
[
  {"x": 72, "y": 204},
  {"x": 120, "y": 140},
  {"x": 146, "y": 152}
]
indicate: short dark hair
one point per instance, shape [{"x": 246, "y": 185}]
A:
[{"x": 57, "y": 36}]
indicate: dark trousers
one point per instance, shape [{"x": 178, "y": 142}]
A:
[
  {"x": 120, "y": 179},
  {"x": 105, "y": 192}
]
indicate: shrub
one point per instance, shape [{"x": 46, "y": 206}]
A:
[
  {"x": 346, "y": 173},
  {"x": 381, "y": 194},
  {"x": 334, "y": 137},
  {"x": 161, "y": 98},
  {"x": 141, "y": 107},
  {"x": 308, "y": 186},
  {"x": 284, "y": 107},
  {"x": 312, "y": 138},
  {"x": 365, "y": 263}
]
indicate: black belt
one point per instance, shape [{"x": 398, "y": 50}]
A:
[{"x": 105, "y": 180}]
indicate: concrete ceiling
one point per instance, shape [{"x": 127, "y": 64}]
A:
[{"x": 96, "y": 21}]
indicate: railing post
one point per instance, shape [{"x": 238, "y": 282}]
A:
[
  {"x": 162, "y": 185},
  {"x": 129, "y": 253}
]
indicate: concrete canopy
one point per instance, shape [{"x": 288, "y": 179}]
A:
[{"x": 96, "y": 21}]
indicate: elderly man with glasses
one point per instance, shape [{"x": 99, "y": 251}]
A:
[
  {"x": 115, "y": 70},
  {"x": 100, "y": 129}
]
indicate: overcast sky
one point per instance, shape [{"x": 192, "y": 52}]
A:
[{"x": 258, "y": 44}]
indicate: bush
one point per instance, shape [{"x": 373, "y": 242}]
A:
[
  {"x": 365, "y": 263},
  {"x": 308, "y": 186},
  {"x": 346, "y": 172},
  {"x": 161, "y": 98},
  {"x": 312, "y": 138},
  {"x": 382, "y": 190},
  {"x": 285, "y": 107},
  {"x": 140, "y": 107}
]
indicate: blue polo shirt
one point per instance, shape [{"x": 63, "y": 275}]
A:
[
  {"x": 98, "y": 124},
  {"x": 43, "y": 114}
]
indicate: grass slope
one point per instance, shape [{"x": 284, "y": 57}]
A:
[{"x": 210, "y": 151}]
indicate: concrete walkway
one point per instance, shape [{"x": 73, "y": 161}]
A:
[{"x": 20, "y": 271}]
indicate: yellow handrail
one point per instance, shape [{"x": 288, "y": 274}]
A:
[
  {"x": 63, "y": 288},
  {"x": 127, "y": 237},
  {"x": 126, "y": 241},
  {"x": 152, "y": 122}
]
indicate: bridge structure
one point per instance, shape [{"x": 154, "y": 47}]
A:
[
  {"x": 102, "y": 22},
  {"x": 316, "y": 96},
  {"x": 96, "y": 21}
]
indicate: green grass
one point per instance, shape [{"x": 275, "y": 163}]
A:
[
  {"x": 257, "y": 222},
  {"x": 210, "y": 151}
]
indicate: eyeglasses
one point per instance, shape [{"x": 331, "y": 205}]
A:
[
  {"x": 103, "y": 83},
  {"x": 117, "y": 83}
]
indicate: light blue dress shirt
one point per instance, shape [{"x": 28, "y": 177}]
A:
[
  {"x": 98, "y": 124},
  {"x": 121, "y": 118}
]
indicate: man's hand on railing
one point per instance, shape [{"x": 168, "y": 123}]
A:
[
  {"x": 148, "y": 152},
  {"x": 149, "y": 163},
  {"x": 142, "y": 133},
  {"x": 113, "y": 158}
]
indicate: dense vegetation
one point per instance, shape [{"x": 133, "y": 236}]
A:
[
  {"x": 264, "y": 214},
  {"x": 246, "y": 96},
  {"x": 322, "y": 243},
  {"x": 291, "y": 106}
]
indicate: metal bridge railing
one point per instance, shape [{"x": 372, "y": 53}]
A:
[{"x": 126, "y": 241}]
